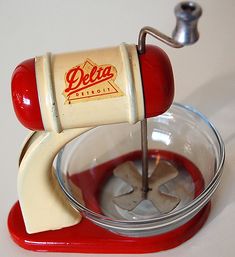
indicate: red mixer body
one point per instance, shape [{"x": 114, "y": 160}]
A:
[
  {"x": 157, "y": 92},
  {"x": 25, "y": 96},
  {"x": 157, "y": 83},
  {"x": 87, "y": 237},
  {"x": 73, "y": 93}
]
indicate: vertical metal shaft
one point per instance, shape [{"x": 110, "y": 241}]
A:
[
  {"x": 144, "y": 134},
  {"x": 144, "y": 140},
  {"x": 187, "y": 14},
  {"x": 144, "y": 148}
]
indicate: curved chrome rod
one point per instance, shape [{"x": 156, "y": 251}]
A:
[
  {"x": 185, "y": 33},
  {"x": 156, "y": 34},
  {"x": 144, "y": 140}
]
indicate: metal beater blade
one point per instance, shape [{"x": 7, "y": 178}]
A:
[
  {"x": 163, "y": 172},
  {"x": 185, "y": 33}
]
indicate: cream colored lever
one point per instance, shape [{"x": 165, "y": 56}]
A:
[{"x": 42, "y": 203}]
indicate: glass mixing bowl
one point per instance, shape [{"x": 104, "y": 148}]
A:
[{"x": 181, "y": 136}]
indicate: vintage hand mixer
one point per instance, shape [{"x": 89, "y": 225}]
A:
[{"x": 147, "y": 198}]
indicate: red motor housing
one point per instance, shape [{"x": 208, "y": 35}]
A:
[{"x": 157, "y": 83}]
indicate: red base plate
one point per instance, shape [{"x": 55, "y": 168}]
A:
[{"x": 86, "y": 237}]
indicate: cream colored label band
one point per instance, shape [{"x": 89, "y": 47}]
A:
[
  {"x": 46, "y": 93},
  {"x": 89, "y": 82},
  {"x": 90, "y": 88}
]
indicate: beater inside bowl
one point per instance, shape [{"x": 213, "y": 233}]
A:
[{"x": 103, "y": 166}]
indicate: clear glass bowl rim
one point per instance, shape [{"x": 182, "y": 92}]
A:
[{"x": 193, "y": 207}]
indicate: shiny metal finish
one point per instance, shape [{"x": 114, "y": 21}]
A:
[
  {"x": 144, "y": 141},
  {"x": 144, "y": 148},
  {"x": 185, "y": 33},
  {"x": 187, "y": 15},
  {"x": 163, "y": 172},
  {"x": 145, "y": 220},
  {"x": 156, "y": 34}
]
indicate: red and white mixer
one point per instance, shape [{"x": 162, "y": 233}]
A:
[{"x": 91, "y": 180}]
